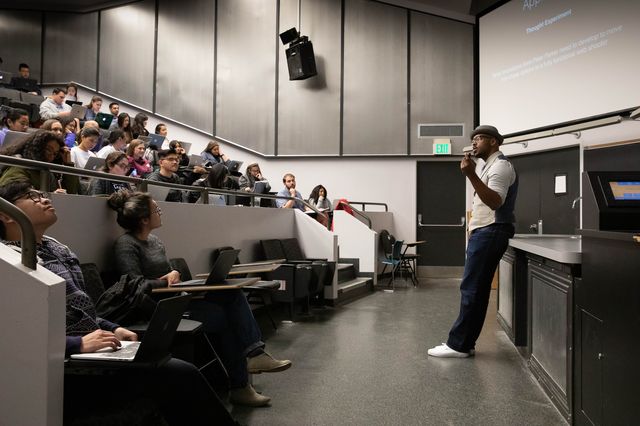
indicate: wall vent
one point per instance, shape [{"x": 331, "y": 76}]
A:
[{"x": 440, "y": 130}]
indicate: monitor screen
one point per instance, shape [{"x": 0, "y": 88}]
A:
[{"x": 625, "y": 190}]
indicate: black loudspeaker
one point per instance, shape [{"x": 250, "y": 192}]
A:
[{"x": 301, "y": 61}]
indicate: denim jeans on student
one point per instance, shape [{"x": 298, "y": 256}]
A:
[
  {"x": 230, "y": 324},
  {"x": 484, "y": 251}
]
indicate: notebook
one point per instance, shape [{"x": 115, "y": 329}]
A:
[
  {"x": 104, "y": 120},
  {"x": 12, "y": 138},
  {"x": 219, "y": 272},
  {"x": 157, "y": 339},
  {"x": 94, "y": 163},
  {"x": 78, "y": 111}
]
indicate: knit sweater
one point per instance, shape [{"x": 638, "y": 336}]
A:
[
  {"x": 81, "y": 312},
  {"x": 141, "y": 258}
]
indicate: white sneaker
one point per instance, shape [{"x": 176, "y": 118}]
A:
[{"x": 444, "y": 351}]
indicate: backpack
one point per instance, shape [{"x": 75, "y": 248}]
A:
[{"x": 128, "y": 301}]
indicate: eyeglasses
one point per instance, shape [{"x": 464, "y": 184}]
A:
[
  {"x": 480, "y": 137},
  {"x": 35, "y": 196},
  {"x": 157, "y": 210},
  {"x": 123, "y": 165}
]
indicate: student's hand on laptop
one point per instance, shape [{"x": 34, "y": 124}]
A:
[
  {"x": 172, "y": 277},
  {"x": 199, "y": 170},
  {"x": 99, "y": 339},
  {"x": 126, "y": 335}
]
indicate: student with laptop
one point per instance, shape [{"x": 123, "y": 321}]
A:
[
  {"x": 115, "y": 143},
  {"x": 248, "y": 180},
  {"x": 177, "y": 388},
  {"x": 212, "y": 154},
  {"x": 23, "y": 81},
  {"x": 81, "y": 153},
  {"x": 54, "y": 106},
  {"x": 168, "y": 160},
  {"x": 17, "y": 120},
  {"x": 93, "y": 108},
  {"x": 139, "y": 164},
  {"x": 116, "y": 163},
  {"x": 225, "y": 313}
]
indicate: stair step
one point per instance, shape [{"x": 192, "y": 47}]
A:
[
  {"x": 353, "y": 284},
  {"x": 341, "y": 266}
]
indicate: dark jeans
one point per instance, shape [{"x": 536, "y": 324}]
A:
[
  {"x": 233, "y": 330},
  {"x": 134, "y": 395},
  {"x": 484, "y": 251}
]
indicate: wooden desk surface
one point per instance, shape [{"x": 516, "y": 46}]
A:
[
  {"x": 414, "y": 243},
  {"x": 231, "y": 284},
  {"x": 248, "y": 268}
]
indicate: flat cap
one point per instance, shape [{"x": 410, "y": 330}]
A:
[{"x": 488, "y": 130}]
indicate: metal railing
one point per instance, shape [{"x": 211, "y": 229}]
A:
[
  {"x": 28, "y": 236},
  {"x": 140, "y": 184},
  {"x": 358, "y": 212},
  {"x": 364, "y": 204}
]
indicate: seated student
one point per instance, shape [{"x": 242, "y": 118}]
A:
[
  {"x": 212, "y": 154},
  {"x": 178, "y": 389},
  {"x": 54, "y": 106},
  {"x": 116, "y": 163},
  {"x": 188, "y": 175},
  {"x": 139, "y": 126},
  {"x": 42, "y": 146},
  {"x": 72, "y": 92},
  {"x": 124, "y": 124},
  {"x": 289, "y": 190},
  {"x": 71, "y": 129},
  {"x": 101, "y": 139},
  {"x": 115, "y": 143},
  {"x": 161, "y": 129},
  {"x": 93, "y": 108},
  {"x": 88, "y": 139},
  {"x": 226, "y": 314},
  {"x": 54, "y": 125},
  {"x": 139, "y": 164},
  {"x": 216, "y": 180},
  {"x": 177, "y": 147},
  {"x": 114, "y": 109},
  {"x": 168, "y": 160},
  {"x": 318, "y": 198},
  {"x": 248, "y": 181},
  {"x": 24, "y": 72},
  {"x": 17, "y": 120}
]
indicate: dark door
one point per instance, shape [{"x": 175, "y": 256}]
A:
[{"x": 441, "y": 201}]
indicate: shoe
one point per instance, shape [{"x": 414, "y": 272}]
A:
[
  {"x": 265, "y": 363},
  {"x": 248, "y": 396},
  {"x": 444, "y": 351}
]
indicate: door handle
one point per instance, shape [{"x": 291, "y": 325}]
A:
[{"x": 433, "y": 225}]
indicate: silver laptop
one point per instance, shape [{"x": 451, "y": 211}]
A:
[
  {"x": 12, "y": 138},
  {"x": 156, "y": 341},
  {"x": 186, "y": 146},
  {"x": 78, "y": 111},
  {"x": 234, "y": 166},
  {"x": 94, "y": 163},
  {"x": 159, "y": 193},
  {"x": 5, "y": 77},
  {"x": 195, "y": 160}
]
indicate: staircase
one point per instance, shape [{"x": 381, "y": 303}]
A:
[{"x": 351, "y": 285}]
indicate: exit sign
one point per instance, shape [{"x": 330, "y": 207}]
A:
[{"x": 440, "y": 148}]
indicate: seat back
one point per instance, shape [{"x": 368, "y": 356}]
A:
[
  {"x": 396, "y": 253},
  {"x": 180, "y": 265},
  {"x": 92, "y": 281},
  {"x": 272, "y": 249},
  {"x": 386, "y": 242},
  {"x": 292, "y": 250}
]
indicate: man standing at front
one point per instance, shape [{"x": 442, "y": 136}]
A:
[{"x": 490, "y": 228}]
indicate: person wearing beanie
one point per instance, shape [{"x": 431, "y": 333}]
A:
[{"x": 491, "y": 226}]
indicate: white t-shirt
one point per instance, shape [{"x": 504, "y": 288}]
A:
[
  {"x": 498, "y": 175},
  {"x": 80, "y": 157},
  {"x": 105, "y": 151}
]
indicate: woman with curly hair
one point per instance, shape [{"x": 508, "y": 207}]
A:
[
  {"x": 139, "y": 126},
  {"x": 47, "y": 147}
]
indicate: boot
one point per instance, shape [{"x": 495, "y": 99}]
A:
[{"x": 265, "y": 363}]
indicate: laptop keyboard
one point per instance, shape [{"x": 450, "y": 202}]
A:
[{"x": 124, "y": 351}]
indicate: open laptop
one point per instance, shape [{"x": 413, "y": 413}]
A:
[
  {"x": 104, "y": 120},
  {"x": 12, "y": 138},
  {"x": 260, "y": 187},
  {"x": 158, "y": 193},
  {"x": 195, "y": 160},
  {"x": 78, "y": 111},
  {"x": 219, "y": 271},
  {"x": 156, "y": 341},
  {"x": 5, "y": 77},
  {"x": 94, "y": 163},
  {"x": 186, "y": 146},
  {"x": 24, "y": 84},
  {"x": 156, "y": 140},
  {"x": 72, "y": 103},
  {"x": 234, "y": 166}
]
